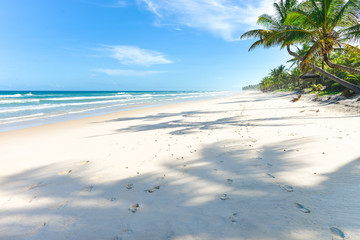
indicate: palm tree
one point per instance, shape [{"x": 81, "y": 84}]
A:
[
  {"x": 325, "y": 24},
  {"x": 295, "y": 75},
  {"x": 291, "y": 25},
  {"x": 273, "y": 25},
  {"x": 279, "y": 75},
  {"x": 301, "y": 52}
]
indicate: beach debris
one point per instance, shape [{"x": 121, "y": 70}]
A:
[
  {"x": 224, "y": 197},
  {"x": 233, "y": 217},
  {"x": 133, "y": 208},
  {"x": 269, "y": 165},
  {"x": 64, "y": 172},
  {"x": 130, "y": 186},
  {"x": 337, "y": 233},
  {"x": 153, "y": 189},
  {"x": 113, "y": 199},
  {"x": 35, "y": 185},
  {"x": 296, "y": 99},
  {"x": 301, "y": 208},
  {"x": 270, "y": 175},
  {"x": 287, "y": 188},
  {"x": 229, "y": 181}
]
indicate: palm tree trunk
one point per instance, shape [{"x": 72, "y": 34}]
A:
[
  {"x": 322, "y": 76},
  {"x": 341, "y": 67},
  {"x": 342, "y": 82}
]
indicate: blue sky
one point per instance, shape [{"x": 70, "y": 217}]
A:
[{"x": 131, "y": 45}]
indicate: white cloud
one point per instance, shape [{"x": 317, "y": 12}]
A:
[
  {"x": 132, "y": 55},
  {"x": 121, "y": 3},
  {"x": 126, "y": 73},
  {"x": 225, "y": 18}
]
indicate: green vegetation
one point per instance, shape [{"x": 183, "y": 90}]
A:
[
  {"x": 251, "y": 87},
  {"x": 325, "y": 33}
]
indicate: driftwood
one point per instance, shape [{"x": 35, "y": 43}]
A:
[{"x": 296, "y": 99}]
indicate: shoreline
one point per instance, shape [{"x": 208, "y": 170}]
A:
[
  {"x": 249, "y": 166},
  {"x": 92, "y": 113}
]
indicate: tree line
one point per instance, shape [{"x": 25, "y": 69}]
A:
[{"x": 325, "y": 34}]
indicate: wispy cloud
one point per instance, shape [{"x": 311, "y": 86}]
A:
[
  {"x": 132, "y": 55},
  {"x": 225, "y": 18},
  {"x": 121, "y": 3},
  {"x": 126, "y": 73}
]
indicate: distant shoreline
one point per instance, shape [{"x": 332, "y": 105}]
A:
[{"x": 127, "y": 101}]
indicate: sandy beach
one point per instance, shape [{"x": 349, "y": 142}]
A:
[{"x": 250, "y": 166}]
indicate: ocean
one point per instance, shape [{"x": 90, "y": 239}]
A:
[{"x": 20, "y": 109}]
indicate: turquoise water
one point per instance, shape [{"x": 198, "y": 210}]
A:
[{"x": 20, "y": 109}]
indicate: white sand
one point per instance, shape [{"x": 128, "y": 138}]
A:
[{"x": 289, "y": 171}]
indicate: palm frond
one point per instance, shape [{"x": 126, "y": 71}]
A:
[
  {"x": 256, "y": 44},
  {"x": 346, "y": 13},
  {"x": 256, "y": 33}
]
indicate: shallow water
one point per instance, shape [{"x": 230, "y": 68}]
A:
[{"x": 19, "y": 109}]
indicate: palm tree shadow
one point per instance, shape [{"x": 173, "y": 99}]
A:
[{"x": 52, "y": 203}]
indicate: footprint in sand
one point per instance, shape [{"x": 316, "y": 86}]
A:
[
  {"x": 83, "y": 163},
  {"x": 270, "y": 175},
  {"x": 36, "y": 228},
  {"x": 224, "y": 197},
  {"x": 64, "y": 172},
  {"x": 229, "y": 181},
  {"x": 233, "y": 217},
  {"x": 337, "y": 233},
  {"x": 35, "y": 185},
  {"x": 88, "y": 188},
  {"x": 133, "y": 208},
  {"x": 126, "y": 232},
  {"x": 301, "y": 208},
  {"x": 59, "y": 205},
  {"x": 32, "y": 199},
  {"x": 130, "y": 186},
  {"x": 287, "y": 188},
  {"x": 152, "y": 190},
  {"x": 70, "y": 222}
]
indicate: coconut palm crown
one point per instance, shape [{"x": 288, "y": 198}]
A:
[
  {"x": 275, "y": 26},
  {"x": 326, "y": 25}
]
